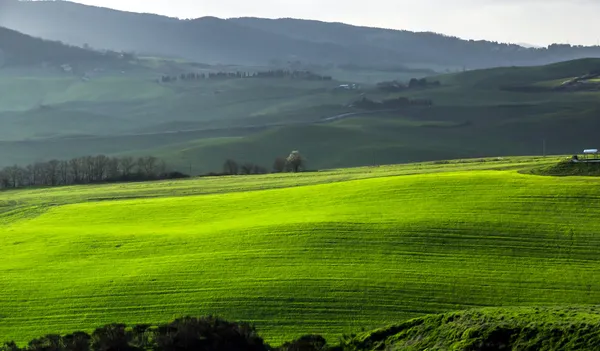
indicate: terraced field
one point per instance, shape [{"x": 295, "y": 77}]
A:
[{"x": 328, "y": 252}]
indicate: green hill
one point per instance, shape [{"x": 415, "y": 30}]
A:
[
  {"x": 203, "y": 122},
  {"x": 522, "y": 76},
  {"x": 575, "y": 328},
  {"x": 326, "y": 252},
  {"x": 568, "y": 168}
]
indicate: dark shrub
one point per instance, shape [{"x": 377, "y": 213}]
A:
[{"x": 306, "y": 343}]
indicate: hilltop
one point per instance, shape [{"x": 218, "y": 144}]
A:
[
  {"x": 259, "y": 41},
  {"x": 17, "y": 49}
]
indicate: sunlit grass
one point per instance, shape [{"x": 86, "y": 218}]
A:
[{"x": 326, "y": 253}]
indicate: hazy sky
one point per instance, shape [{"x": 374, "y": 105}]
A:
[{"x": 520, "y": 21}]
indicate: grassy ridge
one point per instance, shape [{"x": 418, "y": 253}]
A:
[
  {"x": 573, "y": 328},
  {"x": 568, "y": 168},
  {"x": 326, "y": 258}
]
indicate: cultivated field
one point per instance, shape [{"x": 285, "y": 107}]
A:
[{"x": 327, "y": 252}]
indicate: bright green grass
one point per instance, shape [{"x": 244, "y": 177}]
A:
[{"x": 331, "y": 257}]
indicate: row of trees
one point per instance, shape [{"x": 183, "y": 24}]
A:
[
  {"x": 197, "y": 334},
  {"x": 301, "y": 75},
  {"x": 295, "y": 162},
  {"x": 101, "y": 169},
  {"x": 86, "y": 170}
]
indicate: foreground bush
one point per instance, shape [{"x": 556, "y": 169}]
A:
[
  {"x": 210, "y": 334},
  {"x": 189, "y": 333}
]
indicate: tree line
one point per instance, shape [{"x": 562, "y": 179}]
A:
[
  {"x": 188, "y": 333},
  {"x": 104, "y": 169},
  {"x": 295, "y": 162},
  {"x": 86, "y": 170},
  {"x": 295, "y": 74}
]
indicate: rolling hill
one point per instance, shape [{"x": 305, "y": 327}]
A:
[
  {"x": 198, "y": 124},
  {"x": 325, "y": 252},
  {"x": 259, "y": 41}
]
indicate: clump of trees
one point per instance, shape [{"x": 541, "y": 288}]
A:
[
  {"x": 231, "y": 167},
  {"x": 295, "y": 162},
  {"x": 86, "y": 170},
  {"x": 188, "y": 333}
]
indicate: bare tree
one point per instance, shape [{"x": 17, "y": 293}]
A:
[
  {"x": 147, "y": 165},
  {"x": 100, "y": 164},
  {"x": 295, "y": 161},
  {"x": 112, "y": 168},
  {"x": 38, "y": 173},
  {"x": 63, "y": 172},
  {"x": 247, "y": 168},
  {"x": 4, "y": 180},
  {"x": 279, "y": 165},
  {"x": 126, "y": 166},
  {"x": 15, "y": 176},
  {"x": 231, "y": 167},
  {"x": 51, "y": 173},
  {"x": 76, "y": 167},
  {"x": 88, "y": 169}
]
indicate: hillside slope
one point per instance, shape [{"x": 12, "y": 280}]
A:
[
  {"x": 252, "y": 41},
  {"x": 540, "y": 329},
  {"x": 421, "y": 47},
  {"x": 17, "y": 49},
  {"x": 332, "y": 256},
  {"x": 200, "y": 123}
]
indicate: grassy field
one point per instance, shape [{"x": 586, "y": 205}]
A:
[{"x": 328, "y": 252}]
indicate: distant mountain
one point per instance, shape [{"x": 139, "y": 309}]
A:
[
  {"x": 208, "y": 39},
  {"x": 17, "y": 49},
  {"x": 258, "y": 41}
]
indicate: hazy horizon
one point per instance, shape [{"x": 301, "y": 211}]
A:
[{"x": 534, "y": 22}]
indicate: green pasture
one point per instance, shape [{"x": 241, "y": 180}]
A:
[{"x": 326, "y": 252}]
